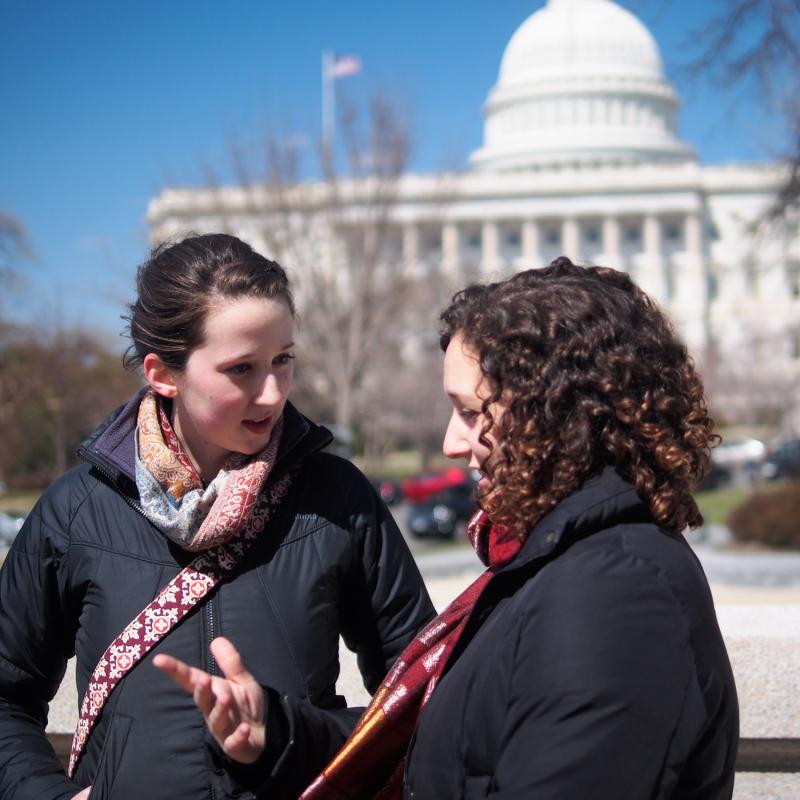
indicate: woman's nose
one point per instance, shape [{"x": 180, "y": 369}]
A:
[
  {"x": 269, "y": 391},
  {"x": 455, "y": 444}
]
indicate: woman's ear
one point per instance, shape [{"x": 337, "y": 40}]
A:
[{"x": 159, "y": 376}]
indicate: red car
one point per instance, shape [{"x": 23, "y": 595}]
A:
[{"x": 424, "y": 486}]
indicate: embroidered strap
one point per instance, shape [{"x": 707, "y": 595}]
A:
[{"x": 175, "y": 600}]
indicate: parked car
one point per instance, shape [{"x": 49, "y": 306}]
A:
[
  {"x": 739, "y": 451},
  {"x": 743, "y": 458},
  {"x": 442, "y": 514},
  {"x": 388, "y": 490},
  {"x": 716, "y": 477},
  {"x": 783, "y": 460},
  {"x": 426, "y": 485}
]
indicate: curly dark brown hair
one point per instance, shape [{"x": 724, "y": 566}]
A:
[{"x": 589, "y": 372}]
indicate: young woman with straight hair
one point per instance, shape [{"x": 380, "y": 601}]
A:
[{"x": 206, "y": 521}]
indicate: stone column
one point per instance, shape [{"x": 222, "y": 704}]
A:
[
  {"x": 691, "y": 287},
  {"x": 692, "y": 290},
  {"x": 693, "y": 233},
  {"x": 652, "y": 278},
  {"x": 570, "y": 238},
  {"x": 490, "y": 261},
  {"x": 530, "y": 243},
  {"x": 450, "y": 247},
  {"x": 611, "y": 237},
  {"x": 411, "y": 248}
]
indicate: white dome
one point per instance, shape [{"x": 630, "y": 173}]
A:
[{"x": 580, "y": 81}]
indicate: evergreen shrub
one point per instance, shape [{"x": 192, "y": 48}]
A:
[{"x": 769, "y": 518}]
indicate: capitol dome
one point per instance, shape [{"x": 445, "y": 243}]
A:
[{"x": 581, "y": 83}]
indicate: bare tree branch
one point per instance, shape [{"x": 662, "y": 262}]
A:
[
  {"x": 14, "y": 246},
  {"x": 758, "y": 42},
  {"x": 341, "y": 238}
]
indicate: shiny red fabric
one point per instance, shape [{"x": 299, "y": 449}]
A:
[{"x": 370, "y": 764}]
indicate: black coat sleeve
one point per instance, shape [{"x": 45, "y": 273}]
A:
[
  {"x": 301, "y": 740},
  {"x": 601, "y": 677},
  {"x": 383, "y": 604},
  {"x": 37, "y": 630}
]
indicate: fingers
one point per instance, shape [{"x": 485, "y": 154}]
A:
[
  {"x": 203, "y": 693},
  {"x": 188, "y": 678},
  {"x": 223, "y": 717},
  {"x": 229, "y": 660},
  {"x": 239, "y": 747},
  {"x": 232, "y": 706}
]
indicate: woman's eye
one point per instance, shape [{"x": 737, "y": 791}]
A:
[
  {"x": 283, "y": 358},
  {"x": 238, "y": 369},
  {"x": 467, "y": 414}
]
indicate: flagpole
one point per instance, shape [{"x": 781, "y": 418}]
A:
[{"x": 327, "y": 103}]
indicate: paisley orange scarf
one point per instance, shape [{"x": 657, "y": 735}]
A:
[{"x": 172, "y": 494}]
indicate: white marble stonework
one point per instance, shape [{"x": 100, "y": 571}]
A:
[{"x": 581, "y": 156}]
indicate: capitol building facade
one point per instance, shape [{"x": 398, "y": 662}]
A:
[{"x": 581, "y": 156}]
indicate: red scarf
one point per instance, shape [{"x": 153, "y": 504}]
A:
[{"x": 372, "y": 760}]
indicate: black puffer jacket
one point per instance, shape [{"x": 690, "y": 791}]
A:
[
  {"x": 591, "y": 667},
  {"x": 87, "y": 562}
]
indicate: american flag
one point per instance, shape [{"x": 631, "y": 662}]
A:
[{"x": 343, "y": 66}]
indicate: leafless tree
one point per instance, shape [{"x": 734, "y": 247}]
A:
[
  {"x": 55, "y": 388},
  {"x": 342, "y": 238},
  {"x": 751, "y": 48},
  {"x": 754, "y": 45},
  {"x": 14, "y": 247},
  {"x": 755, "y": 390},
  {"x": 408, "y": 407}
]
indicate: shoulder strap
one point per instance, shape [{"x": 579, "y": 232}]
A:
[{"x": 173, "y": 602}]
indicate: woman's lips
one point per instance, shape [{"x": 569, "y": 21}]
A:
[{"x": 257, "y": 426}]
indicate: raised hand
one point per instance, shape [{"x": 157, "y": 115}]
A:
[{"x": 233, "y": 706}]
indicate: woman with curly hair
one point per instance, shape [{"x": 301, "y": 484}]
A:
[{"x": 586, "y": 662}]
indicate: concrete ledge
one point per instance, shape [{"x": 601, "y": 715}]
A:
[
  {"x": 62, "y": 744},
  {"x": 755, "y": 755},
  {"x": 766, "y": 786},
  {"x": 768, "y": 755},
  {"x": 762, "y": 634}
]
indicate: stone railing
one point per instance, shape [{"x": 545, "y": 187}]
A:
[{"x": 764, "y": 646}]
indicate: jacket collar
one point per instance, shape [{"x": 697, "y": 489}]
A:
[
  {"x": 111, "y": 447},
  {"x": 604, "y": 500}
]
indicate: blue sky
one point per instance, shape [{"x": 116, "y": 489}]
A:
[{"x": 105, "y": 103}]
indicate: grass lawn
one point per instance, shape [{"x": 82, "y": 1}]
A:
[
  {"x": 717, "y": 504},
  {"x": 21, "y": 503},
  {"x": 401, "y": 464}
]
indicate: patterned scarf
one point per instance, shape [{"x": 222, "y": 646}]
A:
[
  {"x": 223, "y": 521},
  {"x": 172, "y": 494},
  {"x": 371, "y": 762}
]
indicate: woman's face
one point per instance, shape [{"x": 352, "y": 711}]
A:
[
  {"x": 466, "y": 387},
  {"x": 235, "y": 384}
]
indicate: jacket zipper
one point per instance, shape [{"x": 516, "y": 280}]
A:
[
  {"x": 211, "y": 633},
  {"x": 210, "y": 621},
  {"x": 208, "y": 610},
  {"x": 111, "y": 479}
]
